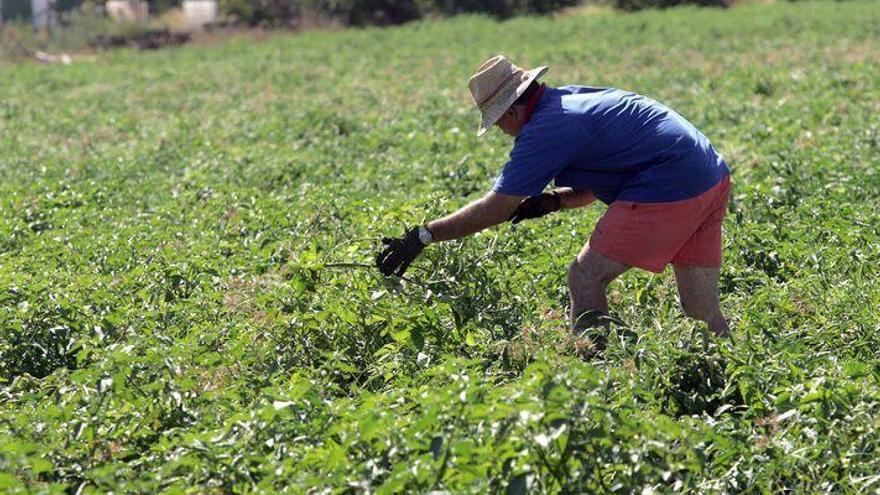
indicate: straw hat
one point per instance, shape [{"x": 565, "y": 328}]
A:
[{"x": 496, "y": 85}]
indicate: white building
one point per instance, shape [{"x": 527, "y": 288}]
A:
[
  {"x": 128, "y": 10},
  {"x": 199, "y": 13}
]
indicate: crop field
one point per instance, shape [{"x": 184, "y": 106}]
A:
[{"x": 188, "y": 302}]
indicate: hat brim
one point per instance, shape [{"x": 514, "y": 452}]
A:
[{"x": 491, "y": 115}]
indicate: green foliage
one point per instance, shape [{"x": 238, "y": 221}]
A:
[
  {"x": 632, "y": 5},
  {"x": 188, "y": 303},
  {"x": 378, "y": 12},
  {"x": 13, "y": 10},
  {"x": 253, "y": 12},
  {"x": 160, "y": 6}
]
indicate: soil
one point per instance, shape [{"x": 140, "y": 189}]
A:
[{"x": 148, "y": 40}]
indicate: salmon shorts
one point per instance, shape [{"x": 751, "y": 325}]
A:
[{"x": 652, "y": 235}]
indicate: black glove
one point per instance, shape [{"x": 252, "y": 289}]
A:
[
  {"x": 399, "y": 253},
  {"x": 536, "y": 206}
]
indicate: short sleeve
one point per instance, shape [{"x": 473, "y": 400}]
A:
[{"x": 540, "y": 153}]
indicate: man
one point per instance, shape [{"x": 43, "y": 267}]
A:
[{"x": 666, "y": 187}]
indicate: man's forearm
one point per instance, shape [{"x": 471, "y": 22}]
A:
[
  {"x": 481, "y": 214},
  {"x": 466, "y": 221},
  {"x": 574, "y": 199}
]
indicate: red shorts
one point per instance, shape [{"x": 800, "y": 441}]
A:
[{"x": 651, "y": 235}]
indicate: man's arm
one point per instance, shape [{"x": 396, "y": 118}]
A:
[
  {"x": 574, "y": 199},
  {"x": 547, "y": 202},
  {"x": 492, "y": 209}
]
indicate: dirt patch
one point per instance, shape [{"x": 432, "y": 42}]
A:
[{"x": 148, "y": 40}]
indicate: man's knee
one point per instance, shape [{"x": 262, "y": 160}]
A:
[
  {"x": 588, "y": 272},
  {"x": 581, "y": 275}
]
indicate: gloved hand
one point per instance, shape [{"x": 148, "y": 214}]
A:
[
  {"x": 536, "y": 206},
  {"x": 399, "y": 253}
]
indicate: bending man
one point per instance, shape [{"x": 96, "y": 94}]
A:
[{"x": 666, "y": 187}]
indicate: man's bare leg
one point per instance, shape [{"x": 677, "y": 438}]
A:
[
  {"x": 698, "y": 291},
  {"x": 588, "y": 279}
]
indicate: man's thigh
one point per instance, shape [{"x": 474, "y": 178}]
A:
[
  {"x": 651, "y": 235},
  {"x": 599, "y": 266},
  {"x": 703, "y": 248},
  {"x": 643, "y": 235}
]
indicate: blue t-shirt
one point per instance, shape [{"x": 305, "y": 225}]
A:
[{"x": 617, "y": 144}]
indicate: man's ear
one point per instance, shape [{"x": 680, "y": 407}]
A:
[{"x": 516, "y": 111}]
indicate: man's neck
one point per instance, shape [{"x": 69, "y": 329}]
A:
[{"x": 533, "y": 102}]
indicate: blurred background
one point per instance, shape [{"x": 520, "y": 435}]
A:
[{"x": 48, "y": 29}]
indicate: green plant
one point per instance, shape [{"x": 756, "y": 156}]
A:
[{"x": 188, "y": 302}]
